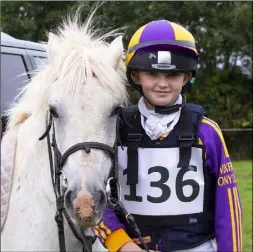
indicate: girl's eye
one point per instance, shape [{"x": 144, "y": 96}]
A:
[
  {"x": 173, "y": 74},
  {"x": 53, "y": 112},
  {"x": 154, "y": 74},
  {"x": 176, "y": 73}
]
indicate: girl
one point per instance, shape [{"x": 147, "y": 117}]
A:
[{"x": 175, "y": 172}]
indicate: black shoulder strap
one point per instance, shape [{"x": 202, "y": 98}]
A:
[
  {"x": 186, "y": 137},
  {"x": 132, "y": 118},
  {"x": 191, "y": 115}
]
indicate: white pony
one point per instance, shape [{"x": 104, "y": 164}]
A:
[{"x": 81, "y": 85}]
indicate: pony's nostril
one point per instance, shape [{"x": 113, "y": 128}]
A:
[
  {"x": 69, "y": 197},
  {"x": 99, "y": 197}
]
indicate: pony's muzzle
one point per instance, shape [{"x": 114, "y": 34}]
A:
[{"x": 86, "y": 207}]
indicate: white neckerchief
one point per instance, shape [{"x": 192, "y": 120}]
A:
[{"x": 158, "y": 125}]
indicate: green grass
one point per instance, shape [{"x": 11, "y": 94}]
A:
[{"x": 243, "y": 173}]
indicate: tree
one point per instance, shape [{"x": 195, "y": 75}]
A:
[{"x": 31, "y": 20}]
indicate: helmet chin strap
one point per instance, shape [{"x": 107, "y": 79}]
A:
[{"x": 165, "y": 110}]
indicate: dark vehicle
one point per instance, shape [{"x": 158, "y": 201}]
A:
[{"x": 18, "y": 58}]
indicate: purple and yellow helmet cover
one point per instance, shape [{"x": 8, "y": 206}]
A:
[{"x": 158, "y": 37}]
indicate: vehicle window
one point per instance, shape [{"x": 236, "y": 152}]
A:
[
  {"x": 40, "y": 61},
  {"x": 13, "y": 77}
]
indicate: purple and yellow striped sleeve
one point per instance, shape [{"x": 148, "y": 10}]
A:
[
  {"x": 110, "y": 231},
  {"x": 228, "y": 210}
]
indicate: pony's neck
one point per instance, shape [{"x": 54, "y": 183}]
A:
[{"x": 31, "y": 205}]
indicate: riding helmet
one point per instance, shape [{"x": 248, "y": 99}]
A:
[{"x": 161, "y": 46}]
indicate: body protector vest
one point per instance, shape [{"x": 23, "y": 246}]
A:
[{"x": 165, "y": 183}]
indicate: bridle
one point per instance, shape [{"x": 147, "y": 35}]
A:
[{"x": 57, "y": 161}]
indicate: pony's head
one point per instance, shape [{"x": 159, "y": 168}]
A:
[
  {"x": 89, "y": 86},
  {"x": 80, "y": 87}
]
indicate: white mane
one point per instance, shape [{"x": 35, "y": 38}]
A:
[{"x": 75, "y": 51}]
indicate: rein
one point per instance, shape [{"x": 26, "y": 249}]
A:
[{"x": 57, "y": 161}]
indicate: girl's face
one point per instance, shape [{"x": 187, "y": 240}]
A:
[{"x": 161, "y": 89}]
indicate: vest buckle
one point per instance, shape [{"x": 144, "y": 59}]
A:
[
  {"x": 134, "y": 137},
  {"x": 186, "y": 137}
]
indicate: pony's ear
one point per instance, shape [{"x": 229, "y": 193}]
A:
[
  {"x": 116, "y": 51},
  {"x": 22, "y": 117},
  {"x": 53, "y": 45}
]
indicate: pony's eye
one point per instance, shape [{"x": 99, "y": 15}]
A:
[
  {"x": 53, "y": 112},
  {"x": 115, "y": 110}
]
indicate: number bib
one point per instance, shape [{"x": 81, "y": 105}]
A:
[{"x": 163, "y": 189}]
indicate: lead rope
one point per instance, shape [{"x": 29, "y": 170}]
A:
[
  {"x": 132, "y": 224},
  {"x": 127, "y": 217}
]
